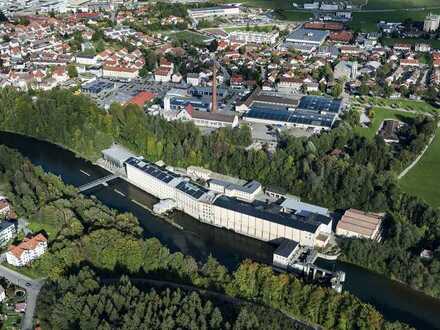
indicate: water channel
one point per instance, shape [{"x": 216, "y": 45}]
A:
[{"x": 394, "y": 300}]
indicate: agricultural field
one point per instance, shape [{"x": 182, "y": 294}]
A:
[
  {"x": 380, "y": 114},
  {"x": 423, "y": 180}
]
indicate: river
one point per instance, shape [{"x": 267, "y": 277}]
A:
[{"x": 394, "y": 300}]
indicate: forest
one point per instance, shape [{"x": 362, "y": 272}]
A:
[
  {"x": 337, "y": 169},
  {"x": 84, "y": 301},
  {"x": 85, "y": 234}
]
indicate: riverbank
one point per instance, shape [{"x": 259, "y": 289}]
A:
[{"x": 201, "y": 240}]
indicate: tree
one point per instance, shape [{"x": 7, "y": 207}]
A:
[
  {"x": 337, "y": 90},
  {"x": 72, "y": 71}
]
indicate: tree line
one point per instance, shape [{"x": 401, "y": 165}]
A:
[{"x": 85, "y": 233}]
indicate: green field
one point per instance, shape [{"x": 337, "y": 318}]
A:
[
  {"x": 295, "y": 16},
  {"x": 380, "y": 114},
  {"x": 370, "y": 4},
  {"x": 435, "y": 43},
  {"x": 367, "y": 21},
  {"x": 423, "y": 180},
  {"x": 397, "y": 4}
]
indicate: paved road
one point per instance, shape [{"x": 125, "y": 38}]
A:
[
  {"x": 32, "y": 291},
  {"x": 415, "y": 161}
]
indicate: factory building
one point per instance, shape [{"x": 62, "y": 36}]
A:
[
  {"x": 256, "y": 219},
  {"x": 317, "y": 112}
]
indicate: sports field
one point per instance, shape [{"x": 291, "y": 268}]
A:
[
  {"x": 380, "y": 114},
  {"x": 424, "y": 179}
]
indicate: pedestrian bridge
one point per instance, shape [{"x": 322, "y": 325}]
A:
[{"x": 102, "y": 181}]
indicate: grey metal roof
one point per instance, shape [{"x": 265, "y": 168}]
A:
[
  {"x": 307, "y": 36},
  {"x": 5, "y": 224},
  {"x": 117, "y": 153},
  {"x": 191, "y": 189},
  {"x": 152, "y": 169},
  {"x": 286, "y": 248},
  {"x": 263, "y": 211}
]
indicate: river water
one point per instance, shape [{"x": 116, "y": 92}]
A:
[{"x": 394, "y": 300}]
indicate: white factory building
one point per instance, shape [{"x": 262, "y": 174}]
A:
[
  {"x": 236, "y": 212},
  {"x": 254, "y": 37},
  {"x": 214, "y": 11}
]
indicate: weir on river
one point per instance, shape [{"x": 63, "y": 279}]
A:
[{"x": 394, "y": 300}]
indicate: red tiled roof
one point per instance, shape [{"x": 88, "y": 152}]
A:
[
  {"x": 141, "y": 98},
  {"x": 27, "y": 244}
]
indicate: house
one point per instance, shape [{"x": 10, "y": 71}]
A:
[
  {"x": 20, "y": 307},
  {"x": 208, "y": 119},
  {"x": 163, "y": 74},
  {"x": 119, "y": 72},
  {"x": 60, "y": 74},
  {"x": 193, "y": 79},
  {"x": 409, "y": 62},
  {"x": 7, "y": 232},
  {"x": 290, "y": 83},
  {"x": 346, "y": 70},
  {"x": 284, "y": 253},
  {"x": 2, "y": 293},
  {"x": 356, "y": 223},
  {"x": 5, "y": 208},
  {"x": 389, "y": 129},
  {"x": 27, "y": 251}
]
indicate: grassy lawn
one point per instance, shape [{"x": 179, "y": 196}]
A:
[
  {"x": 380, "y": 114},
  {"x": 413, "y": 105},
  {"x": 189, "y": 37},
  {"x": 257, "y": 28},
  {"x": 31, "y": 272},
  {"x": 36, "y": 227},
  {"x": 295, "y": 16},
  {"x": 424, "y": 178},
  {"x": 391, "y": 41}
]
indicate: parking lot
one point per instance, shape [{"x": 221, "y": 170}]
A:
[{"x": 121, "y": 92}]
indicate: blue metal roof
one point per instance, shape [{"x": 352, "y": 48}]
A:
[
  {"x": 320, "y": 104},
  {"x": 294, "y": 117}
]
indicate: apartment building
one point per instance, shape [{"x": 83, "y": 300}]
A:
[{"x": 27, "y": 251}]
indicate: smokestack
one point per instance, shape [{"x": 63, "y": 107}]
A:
[{"x": 214, "y": 89}]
